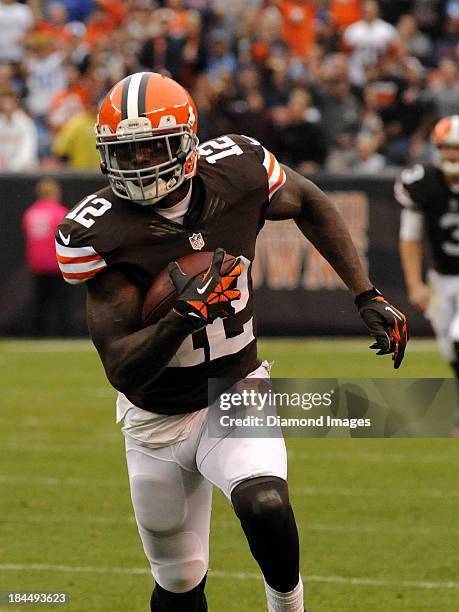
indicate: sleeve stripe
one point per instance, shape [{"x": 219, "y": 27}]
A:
[
  {"x": 65, "y": 251},
  {"x": 75, "y": 260},
  {"x": 278, "y": 185},
  {"x": 271, "y": 164},
  {"x": 78, "y": 264},
  {"x": 86, "y": 267},
  {"x": 276, "y": 176}
]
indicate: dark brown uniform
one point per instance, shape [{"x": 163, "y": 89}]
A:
[
  {"x": 235, "y": 180},
  {"x": 424, "y": 189}
]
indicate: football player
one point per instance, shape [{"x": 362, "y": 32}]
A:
[
  {"x": 168, "y": 197},
  {"x": 429, "y": 195}
]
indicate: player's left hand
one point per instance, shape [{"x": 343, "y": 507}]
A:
[{"x": 386, "y": 324}]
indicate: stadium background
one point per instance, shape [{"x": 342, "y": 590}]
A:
[{"x": 375, "y": 515}]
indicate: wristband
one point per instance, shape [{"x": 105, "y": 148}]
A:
[{"x": 366, "y": 296}]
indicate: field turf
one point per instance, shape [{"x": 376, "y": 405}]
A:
[{"x": 377, "y": 518}]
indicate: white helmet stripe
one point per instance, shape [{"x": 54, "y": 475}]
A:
[{"x": 133, "y": 95}]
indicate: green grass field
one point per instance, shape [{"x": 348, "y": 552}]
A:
[{"x": 376, "y": 516}]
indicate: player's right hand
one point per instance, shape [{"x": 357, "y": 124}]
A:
[
  {"x": 385, "y": 323},
  {"x": 419, "y": 296},
  {"x": 206, "y": 297}
]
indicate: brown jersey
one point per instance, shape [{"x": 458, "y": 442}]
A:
[
  {"x": 235, "y": 180},
  {"x": 424, "y": 188}
]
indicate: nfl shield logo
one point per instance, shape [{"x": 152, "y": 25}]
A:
[{"x": 196, "y": 241}]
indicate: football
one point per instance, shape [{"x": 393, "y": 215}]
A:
[{"x": 161, "y": 296}]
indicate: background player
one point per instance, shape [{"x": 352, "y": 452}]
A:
[
  {"x": 429, "y": 195},
  {"x": 167, "y": 198}
]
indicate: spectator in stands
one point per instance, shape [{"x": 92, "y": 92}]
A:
[
  {"x": 40, "y": 220},
  {"x": 278, "y": 85},
  {"x": 18, "y": 136},
  {"x": 251, "y": 118},
  {"x": 74, "y": 143},
  {"x": 162, "y": 52},
  {"x": 341, "y": 109},
  {"x": 367, "y": 160},
  {"x": 301, "y": 140},
  {"x": 140, "y": 21},
  {"x": 328, "y": 37},
  {"x": 44, "y": 66},
  {"x": 263, "y": 36},
  {"x": 402, "y": 105},
  {"x": 106, "y": 16},
  {"x": 16, "y": 20},
  {"x": 368, "y": 39},
  {"x": 345, "y": 12},
  {"x": 232, "y": 16},
  {"x": 248, "y": 80},
  {"x": 178, "y": 16},
  {"x": 53, "y": 24},
  {"x": 212, "y": 99},
  {"x": 79, "y": 10},
  {"x": 413, "y": 41},
  {"x": 372, "y": 122},
  {"x": 77, "y": 50},
  {"x": 71, "y": 101},
  {"x": 444, "y": 91},
  {"x": 8, "y": 79},
  {"x": 221, "y": 59},
  {"x": 194, "y": 57},
  {"x": 446, "y": 45},
  {"x": 298, "y": 19},
  {"x": 429, "y": 14}
]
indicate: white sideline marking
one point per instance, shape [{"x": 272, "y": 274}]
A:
[
  {"x": 296, "y": 491},
  {"x": 71, "y": 482},
  {"x": 318, "y": 527},
  {"x": 74, "y": 569},
  {"x": 47, "y": 346},
  {"x": 425, "y": 345},
  {"x": 341, "y": 492},
  {"x": 50, "y": 447},
  {"x": 71, "y": 520},
  {"x": 386, "y": 528},
  {"x": 358, "y": 457},
  {"x": 297, "y": 454}
]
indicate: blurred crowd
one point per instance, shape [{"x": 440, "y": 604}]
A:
[{"x": 336, "y": 85}]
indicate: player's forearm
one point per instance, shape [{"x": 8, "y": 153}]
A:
[
  {"x": 134, "y": 361},
  {"x": 324, "y": 227},
  {"x": 411, "y": 257}
]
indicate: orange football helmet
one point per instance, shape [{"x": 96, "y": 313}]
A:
[
  {"x": 446, "y": 135},
  {"x": 146, "y": 136}
]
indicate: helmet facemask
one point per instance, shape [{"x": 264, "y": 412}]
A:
[{"x": 145, "y": 164}]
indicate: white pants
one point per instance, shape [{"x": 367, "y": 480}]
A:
[
  {"x": 171, "y": 490},
  {"x": 443, "y": 311}
]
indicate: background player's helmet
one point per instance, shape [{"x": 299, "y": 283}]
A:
[
  {"x": 446, "y": 135},
  {"x": 146, "y": 137}
]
